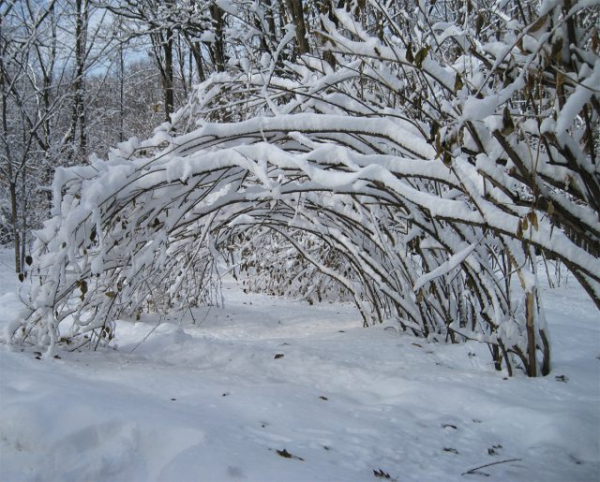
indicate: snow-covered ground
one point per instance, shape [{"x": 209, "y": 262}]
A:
[{"x": 273, "y": 390}]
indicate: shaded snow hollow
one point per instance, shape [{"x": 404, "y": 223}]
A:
[{"x": 268, "y": 389}]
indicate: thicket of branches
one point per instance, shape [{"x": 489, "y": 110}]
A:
[{"x": 418, "y": 161}]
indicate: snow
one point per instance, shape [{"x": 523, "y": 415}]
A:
[
  {"x": 476, "y": 109},
  {"x": 452, "y": 263},
  {"x": 214, "y": 400},
  {"x": 577, "y": 100}
]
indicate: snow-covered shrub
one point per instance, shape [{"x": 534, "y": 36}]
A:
[
  {"x": 432, "y": 164},
  {"x": 268, "y": 263}
]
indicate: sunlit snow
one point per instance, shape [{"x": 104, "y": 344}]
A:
[{"x": 268, "y": 389}]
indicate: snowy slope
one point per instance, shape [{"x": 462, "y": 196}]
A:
[{"x": 215, "y": 401}]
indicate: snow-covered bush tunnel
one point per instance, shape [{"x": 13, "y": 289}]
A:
[
  {"x": 432, "y": 216},
  {"x": 142, "y": 232}
]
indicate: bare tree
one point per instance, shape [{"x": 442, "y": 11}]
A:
[
  {"x": 78, "y": 118},
  {"x": 42, "y": 81}
]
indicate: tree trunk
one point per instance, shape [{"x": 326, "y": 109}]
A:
[
  {"x": 196, "y": 52},
  {"x": 531, "y": 344},
  {"x": 78, "y": 118},
  {"x": 270, "y": 17},
  {"x": 181, "y": 60},
  {"x": 297, "y": 11},
  {"x": 168, "y": 77},
  {"x": 218, "y": 47},
  {"x": 326, "y": 8},
  {"x": 14, "y": 215},
  {"x": 121, "y": 94}
]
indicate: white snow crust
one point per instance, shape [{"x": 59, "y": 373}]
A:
[{"x": 209, "y": 401}]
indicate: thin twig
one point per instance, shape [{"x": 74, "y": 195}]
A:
[
  {"x": 147, "y": 335},
  {"x": 205, "y": 316},
  {"x": 472, "y": 471},
  {"x": 192, "y": 315}
]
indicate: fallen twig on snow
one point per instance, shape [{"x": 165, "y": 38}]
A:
[{"x": 472, "y": 471}]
